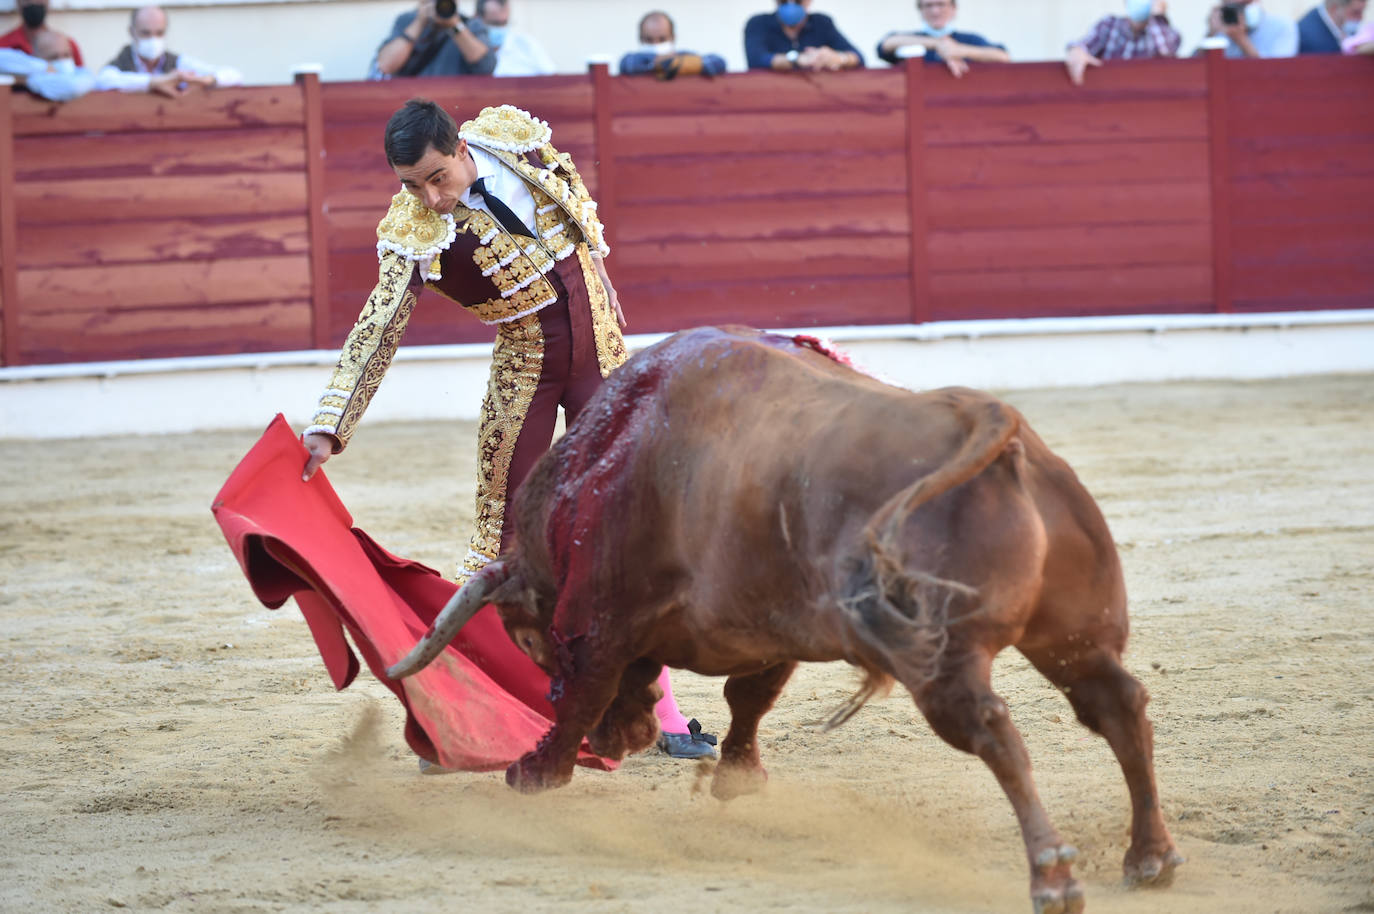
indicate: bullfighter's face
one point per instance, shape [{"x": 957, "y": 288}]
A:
[{"x": 439, "y": 180}]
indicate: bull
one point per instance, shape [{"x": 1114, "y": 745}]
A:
[{"x": 734, "y": 503}]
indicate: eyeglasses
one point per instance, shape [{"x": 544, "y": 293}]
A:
[{"x": 933, "y": 4}]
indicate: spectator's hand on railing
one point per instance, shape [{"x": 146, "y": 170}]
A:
[
  {"x": 1077, "y": 63},
  {"x": 166, "y": 84},
  {"x": 952, "y": 53},
  {"x": 189, "y": 78}
]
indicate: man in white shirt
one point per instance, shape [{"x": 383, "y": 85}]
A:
[
  {"x": 147, "y": 56},
  {"x": 517, "y": 54}
]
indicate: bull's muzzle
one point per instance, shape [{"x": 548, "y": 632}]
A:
[{"x": 459, "y": 610}]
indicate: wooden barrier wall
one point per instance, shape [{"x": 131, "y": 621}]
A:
[{"x": 242, "y": 220}]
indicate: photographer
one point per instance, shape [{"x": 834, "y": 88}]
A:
[
  {"x": 1251, "y": 31},
  {"x": 435, "y": 40}
]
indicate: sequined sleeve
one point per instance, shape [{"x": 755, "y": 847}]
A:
[
  {"x": 583, "y": 206},
  {"x": 367, "y": 352}
]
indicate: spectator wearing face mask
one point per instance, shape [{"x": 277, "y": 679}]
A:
[
  {"x": 50, "y": 71},
  {"x": 517, "y": 54},
  {"x": 34, "y": 16},
  {"x": 1251, "y": 31},
  {"x": 1362, "y": 42},
  {"x": 794, "y": 38},
  {"x": 1142, "y": 33},
  {"x": 1328, "y": 24},
  {"x": 147, "y": 56},
  {"x": 938, "y": 42},
  {"x": 658, "y": 53}
]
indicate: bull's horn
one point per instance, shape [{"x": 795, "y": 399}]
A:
[{"x": 459, "y": 610}]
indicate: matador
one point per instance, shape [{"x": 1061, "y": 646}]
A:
[{"x": 492, "y": 217}]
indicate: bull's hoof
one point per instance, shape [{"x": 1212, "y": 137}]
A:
[
  {"x": 615, "y": 739},
  {"x": 1053, "y": 888},
  {"x": 1153, "y": 870},
  {"x": 1065, "y": 900},
  {"x": 531, "y": 775},
  {"x": 732, "y": 781}
]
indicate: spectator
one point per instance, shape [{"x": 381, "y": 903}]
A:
[
  {"x": 435, "y": 40},
  {"x": 793, "y": 38},
  {"x": 1142, "y": 33},
  {"x": 658, "y": 53},
  {"x": 147, "y": 55},
  {"x": 1362, "y": 42},
  {"x": 52, "y": 73},
  {"x": 938, "y": 42},
  {"x": 34, "y": 14},
  {"x": 49, "y": 72},
  {"x": 1249, "y": 31},
  {"x": 517, "y": 54},
  {"x": 1328, "y": 24}
]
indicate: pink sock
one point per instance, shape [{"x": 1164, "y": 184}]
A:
[{"x": 670, "y": 719}]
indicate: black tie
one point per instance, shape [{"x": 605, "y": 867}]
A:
[{"x": 503, "y": 213}]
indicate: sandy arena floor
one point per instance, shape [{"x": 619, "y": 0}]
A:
[{"x": 171, "y": 745}]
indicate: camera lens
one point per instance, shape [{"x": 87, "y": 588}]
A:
[{"x": 445, "y": 9}]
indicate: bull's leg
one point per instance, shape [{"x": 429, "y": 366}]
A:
[
  {"x": 967, "y": 714},
  {"x": 1110, "y": 701},
  {"x": 630, "y": 724},
  {"x": 579, "y": 701},
  {"x": 750, "y": 697}
]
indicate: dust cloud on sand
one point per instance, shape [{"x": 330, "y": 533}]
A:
[{"x": 171, "y": 745}]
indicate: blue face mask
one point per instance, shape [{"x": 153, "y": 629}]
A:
[
  {"x": 1351, "y": 28},
  {"x": 943, "y": 31},
  {"x": 496, "y": 35},
  {"x": 791, "y": 14},
  {"x": 1139, "y": 10}
]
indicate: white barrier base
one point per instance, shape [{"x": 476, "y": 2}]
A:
[{"x": 156, "y": 396}]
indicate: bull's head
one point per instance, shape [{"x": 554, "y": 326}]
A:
[{"x": 493, "y": 584}]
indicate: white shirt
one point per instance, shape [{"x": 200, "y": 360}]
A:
[
  {"x": 521, "y": 55},
  {"x": 502, "y": 182},
  {"x": 111, "y": 77}
]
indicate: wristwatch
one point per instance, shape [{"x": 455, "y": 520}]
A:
[
  {"x": 792, "y": 56},
  {"x": 459, "y": 27}
]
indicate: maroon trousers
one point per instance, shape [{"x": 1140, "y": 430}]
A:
[{"x": 570, "y": 375}]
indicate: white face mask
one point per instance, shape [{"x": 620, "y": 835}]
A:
[
  {"x": 1139, "y": 10},
  {"x": 150, "y": 48},
  {"x": 661, "y": 49},
  {"x": 64, "y": 65}
]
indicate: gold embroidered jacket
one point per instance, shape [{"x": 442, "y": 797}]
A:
[{"x": 468, "y": 257}]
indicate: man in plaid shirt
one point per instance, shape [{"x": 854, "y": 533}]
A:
[{"x": 1143, "y": 32}]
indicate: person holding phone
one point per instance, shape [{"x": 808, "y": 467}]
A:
[{"x": 1142, "y": 33}]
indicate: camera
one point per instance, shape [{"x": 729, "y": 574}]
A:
[
  {"x": 445, "y": 9},
  {"x": 1230, "y": 13}
]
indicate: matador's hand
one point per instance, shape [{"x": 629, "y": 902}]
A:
[{"x": 321, "y": 448}]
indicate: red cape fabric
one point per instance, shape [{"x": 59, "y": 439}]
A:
[{"x": 480, "y": 706}]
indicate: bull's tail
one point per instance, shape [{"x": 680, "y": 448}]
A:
[{"x": 903, "y": 613}]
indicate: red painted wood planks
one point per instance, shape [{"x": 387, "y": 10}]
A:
[
  {"x": 79, "y": 200},
  {"x": 186, "y": 284},
  {"x": 139, "y": 333},
  {"x": 1062, "y": 292},
  {"x": 118, "y": 112},
  {"x": 162, "y": 152},
  {"x": 815, "y": 94},
  {"x": 1081, "y": 164},
  {"x": 162, "y": 240}
]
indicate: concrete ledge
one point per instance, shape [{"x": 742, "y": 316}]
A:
[{"x": 155, "y": 396}]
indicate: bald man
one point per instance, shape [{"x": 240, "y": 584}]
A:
[{"x": 147, "y": 56}]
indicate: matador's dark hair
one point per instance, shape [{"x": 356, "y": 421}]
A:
[{"x": 418, "y": 125}]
